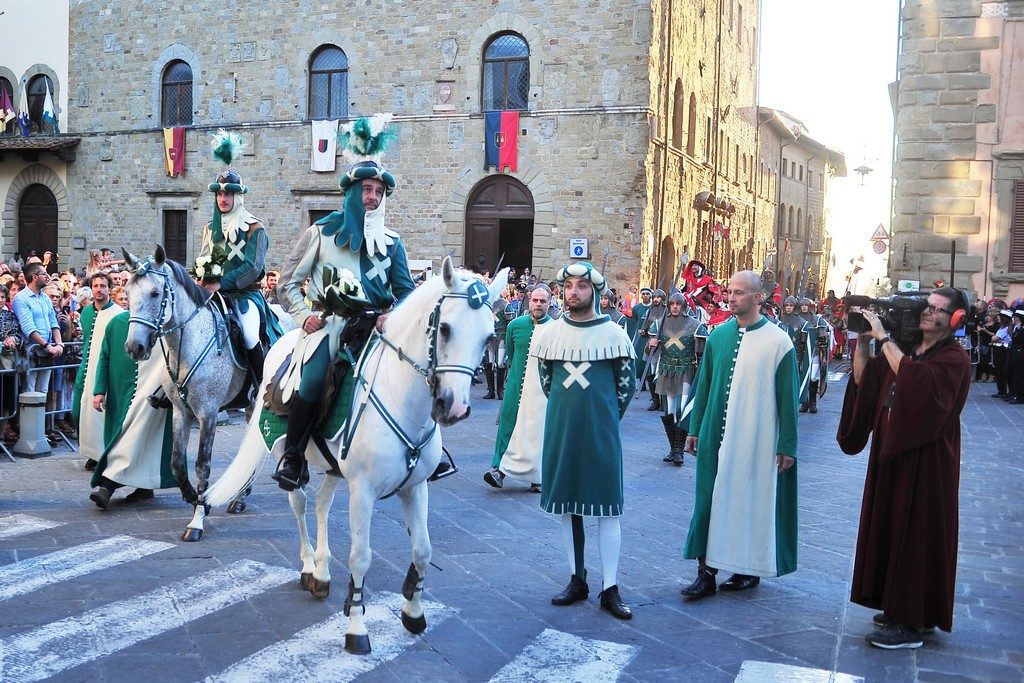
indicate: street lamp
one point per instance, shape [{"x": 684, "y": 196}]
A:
[{"x": 863, "y": 171}]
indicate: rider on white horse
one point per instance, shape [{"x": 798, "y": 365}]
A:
[
  {"x": 354, "y": 238},
  {"x": 244, "y": 240}
]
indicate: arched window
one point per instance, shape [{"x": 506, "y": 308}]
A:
[
  {"x": 36, "y": 98},
  {"x": 677, "y": 116},
  {"x": 800, "y": 222},
  {"x": 7, "y": 89},
  {"x": 328, "y": 84},
  {"x": 782, "y": 218},
  {"x": 691, "y": 127},
  {"x": 176, "y": 95},
  {"x": 792, "y": 215},
  {"x": 506, "y": 81}
]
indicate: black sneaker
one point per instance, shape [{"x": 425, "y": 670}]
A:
[
  {"x": 880, "y": 620},
  {"x": 896, "y": 637}
]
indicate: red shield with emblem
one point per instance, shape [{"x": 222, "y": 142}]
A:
[
  {"x": 321, "y": 145},
  {"x": 499, "y": 138}
]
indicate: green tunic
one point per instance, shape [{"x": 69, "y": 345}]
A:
[
  {"x": 518, "y": 334},
  {"x": 744, "y": 413},
  {"x": 117, "y": 377},
  {"x": 587, "y": 374},
  {"x": 88, "y": 321}
]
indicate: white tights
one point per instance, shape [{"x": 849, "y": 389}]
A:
[{"x": 609, "y": 541}]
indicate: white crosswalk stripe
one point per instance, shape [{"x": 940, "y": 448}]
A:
[
  {"x": 13, "y": 526},
  {"x": 755, "y": 672},
  {"x": 55, "y": 647},
  {"x": 317, "y": 654},
  {"x": 556, "y": 656},
  {"x": 34, "y": 573}
]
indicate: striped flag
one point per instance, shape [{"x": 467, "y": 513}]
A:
[
  {"x": 7, "y": 113},
  {"x": 174, "y": 151},
  {"x": 501, "y": 140}
]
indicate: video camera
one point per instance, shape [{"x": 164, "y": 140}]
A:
[{"x": 899, "y": 314}]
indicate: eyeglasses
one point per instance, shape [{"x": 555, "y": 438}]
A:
[{"x": 936, "y": 309}]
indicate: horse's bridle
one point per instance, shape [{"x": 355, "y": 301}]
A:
[
  {"x": 167, "y": 296},
  {"x": 144, "y": 268},
  {"x": 433, "y": 370}
]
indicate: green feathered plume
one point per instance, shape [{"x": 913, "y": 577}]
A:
[
  {"x": 366, "y": 138},
  {"x": 227, "y": 146}
]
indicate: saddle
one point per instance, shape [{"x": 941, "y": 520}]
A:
[{"x": 358, "y": 328}]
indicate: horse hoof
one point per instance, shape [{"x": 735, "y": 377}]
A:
[
  {"x": 414, "y": 624},
  {"x": 236, "y": 507},
  {"x": 305, "y": 578},
  {"x": 320, "y": 590},
  {"x": 357, "y": 645},
  {"x": 191, "y": 535}
]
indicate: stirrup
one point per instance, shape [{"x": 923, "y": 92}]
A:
[{"x": 444, "y": 469}]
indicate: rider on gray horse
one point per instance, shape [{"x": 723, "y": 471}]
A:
[
  {"x": 354, "y": 238},
  {"x": 245, "y": 242}
]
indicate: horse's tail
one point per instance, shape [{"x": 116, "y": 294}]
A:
[{"x": 243, "y": 469}]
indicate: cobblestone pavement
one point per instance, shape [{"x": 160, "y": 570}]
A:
[{"x": 147, "y": 606}]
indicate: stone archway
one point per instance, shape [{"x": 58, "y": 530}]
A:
[
  {"x": 546, "y": 258},
  {"x": 499, "y": 223},
  {"x": 36, "y": 174}
]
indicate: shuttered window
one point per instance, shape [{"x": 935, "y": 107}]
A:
[
  {"x": 176, "y": 235},
  {"x": 1017, "y": 228}
]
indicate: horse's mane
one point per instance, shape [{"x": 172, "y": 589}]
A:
[{"x": 198, "y": 295}]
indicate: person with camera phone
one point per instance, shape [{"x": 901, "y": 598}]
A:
[{"x": 909, "y": 396}]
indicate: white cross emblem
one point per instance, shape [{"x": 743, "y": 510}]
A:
[
  {"x": 478, "y": 295},
  {"x": 235, "y": 250},
  {"x": 576, "y": 375},
  {"x": 379, "y": 269},
  {"x": 674, "y": 341}
]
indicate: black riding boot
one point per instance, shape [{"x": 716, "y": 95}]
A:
[
  {"x": 500, "y": 384},
  {"x": 255, "y": 357},
  {"x": 669, "y": 422},
  {"x": 489, "y": 374},
  {"x": 812, "y": 399},
  {"x": 293, "y": 471},
  {"x": 678, "y": 445}
]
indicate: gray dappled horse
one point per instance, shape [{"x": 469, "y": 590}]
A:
[
  {"x": 168, "y": 309},
  {"x": 392, "y": 442}
]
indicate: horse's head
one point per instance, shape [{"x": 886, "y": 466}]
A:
[
  {"x": 460, "y": 327},
  {"x": 148, "y": 300}
]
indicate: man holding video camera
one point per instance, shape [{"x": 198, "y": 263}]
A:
[{"x": 910, "y": 395}]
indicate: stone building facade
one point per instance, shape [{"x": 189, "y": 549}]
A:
[
  {"x": 583, "y": 138},
  {"x": 802, "y": 240},
  {"x": 36, "y": 211},
  {"x": 959, "y": 166}
]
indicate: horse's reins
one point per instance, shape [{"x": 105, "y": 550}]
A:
[
  {"x": 167, "y": 295},
  {"x": 429, "y": 373}
]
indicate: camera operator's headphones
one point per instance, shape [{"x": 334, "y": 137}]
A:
[{"x": 959, "y": 317}]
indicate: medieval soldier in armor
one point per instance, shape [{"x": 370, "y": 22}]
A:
[
  {"x": 354, "y": 238},
  {"x": 796, "y": 327},
  {"x": 654, "y": 315},
  {"x": 673, "y": 339},
  {"x": 494, "y": 357},
  {"x": 821, "y": 338}
]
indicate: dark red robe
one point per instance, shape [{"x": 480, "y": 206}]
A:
[{"x": 907, "y": 542}]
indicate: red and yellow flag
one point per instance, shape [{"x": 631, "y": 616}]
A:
[{"x": 174, "y": 151}]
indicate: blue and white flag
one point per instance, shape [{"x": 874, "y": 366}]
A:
[
  {"x": 23, "y": 120},
  {"x": 49, "y": 115}
]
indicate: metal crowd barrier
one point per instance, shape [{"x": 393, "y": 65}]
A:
[
  {"x": 61, "y": 389},
  {"x": 10, "y": 388}
]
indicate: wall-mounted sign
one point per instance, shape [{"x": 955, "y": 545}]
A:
[{"x": 578, "y": 247}]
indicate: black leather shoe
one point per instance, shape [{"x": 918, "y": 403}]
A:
[
  {"x": 139, "y": 495},
  {"x": 739, "y": 582},
  {"x": 576, "y": 590},
  {"x": 702, "y": 587},
  {"x": 101, "y": 496},
  {"x": 612, "y": 603},
  {"x": 90, "y": 465}
]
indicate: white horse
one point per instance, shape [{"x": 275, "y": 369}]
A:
[{"x": 392, "y": 442}]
